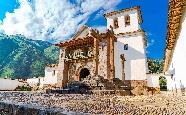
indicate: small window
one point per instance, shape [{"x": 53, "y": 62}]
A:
[
  {"x": 116, "y": 23},
  {"x": 126, "y": 47},
  {"x": 54, "y": 72},
  {"x": 127, "y": 20}
]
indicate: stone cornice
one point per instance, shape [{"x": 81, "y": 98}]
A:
[{"x": 130, "y": 33}]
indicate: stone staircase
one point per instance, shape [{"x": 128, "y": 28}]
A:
[{"x": 99, "y": 83}]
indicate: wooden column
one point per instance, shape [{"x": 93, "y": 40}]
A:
[
  {"x": 96, "y": 53},
  {"x": 123, "y": 66}
]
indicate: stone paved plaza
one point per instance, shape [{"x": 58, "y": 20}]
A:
[{"x": 160, "y": 104}]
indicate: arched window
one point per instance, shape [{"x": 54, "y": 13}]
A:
[
  {"x": 116, "y": 23},
  {"x": 127, "y": 20}
]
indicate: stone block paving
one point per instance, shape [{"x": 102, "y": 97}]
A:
[{"x": 30, "y": 103}]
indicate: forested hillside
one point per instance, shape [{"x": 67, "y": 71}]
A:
[{"x": 21, "y": 57}]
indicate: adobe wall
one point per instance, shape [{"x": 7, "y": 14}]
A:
[{"x": 8, "y": 84}]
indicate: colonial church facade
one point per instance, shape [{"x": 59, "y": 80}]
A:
[{"x": 119, "y": 52}]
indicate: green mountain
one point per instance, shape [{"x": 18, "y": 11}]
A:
[{"x": 24, "y": 58}]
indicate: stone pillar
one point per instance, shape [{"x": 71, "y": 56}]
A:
[
  {"x": 65, "y": 74},
  {"x": 112, "y": 69},
  {"x": 62, "y": 68},
  {"x": 96, "y": 53},
  {"x": 123, "y": 66},
  {"x": 108, "y": 58}
]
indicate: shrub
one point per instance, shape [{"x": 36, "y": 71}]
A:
[{"x": 23, "y": 88}]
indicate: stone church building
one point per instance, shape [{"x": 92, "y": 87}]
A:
[{"x": 119, "y": 52}]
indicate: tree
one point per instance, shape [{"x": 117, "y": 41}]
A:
[
  {"x": 163, "y": 83},
  {"x": 8, "y": 73},
  {"x": 21, "y": 57},
  {"x": 155, "y": 66},
  {"x": 52, "y": 54},
  {"x": 37, "y": 68}
]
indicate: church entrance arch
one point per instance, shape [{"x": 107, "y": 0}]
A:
[{"x": 84, "y": 73}]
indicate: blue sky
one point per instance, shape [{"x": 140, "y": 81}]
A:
[
  {"x": 154, "y": 14},
  {"x": 7, "y": 6}
]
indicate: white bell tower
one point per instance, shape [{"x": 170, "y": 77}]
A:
[
  {"x": 131, "y": 43},
  {"x": 127, "y": 20}
]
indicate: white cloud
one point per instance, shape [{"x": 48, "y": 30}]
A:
[
  {"x": 110, "y": 6},
  {"x": 150, "y": 43},
  {"x": 148, "y": 34},
  {"x": 51, "y": 19}
]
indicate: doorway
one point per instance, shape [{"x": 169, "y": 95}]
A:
[{"x": 84, "y": 73}]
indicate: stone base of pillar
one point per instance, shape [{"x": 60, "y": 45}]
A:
[
  {"x": 153, "y": 90},
  {"x": 138, "y": 87}
]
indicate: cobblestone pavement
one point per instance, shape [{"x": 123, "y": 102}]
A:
[{"x": 160, "y": 104}]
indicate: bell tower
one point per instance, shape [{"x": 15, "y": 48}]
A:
[
  {"x": 130, "y": 47},
  {"x": 126, "y": 20}
]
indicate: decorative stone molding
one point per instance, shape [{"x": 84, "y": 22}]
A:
[{"x": 131, "y": 33}]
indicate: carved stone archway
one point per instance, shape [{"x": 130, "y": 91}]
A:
[{"x": 84, "y": 70}]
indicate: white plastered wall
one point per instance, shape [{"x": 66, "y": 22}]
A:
[
  {"x": 8, "y": 84},
  {"x": 135, "y": 64},
  {"x": 134, "y": 22},
  {"x": 177, "y": 67},
  {"x": 50, "y": 76},
  {"x": 153, "y": 80}
]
